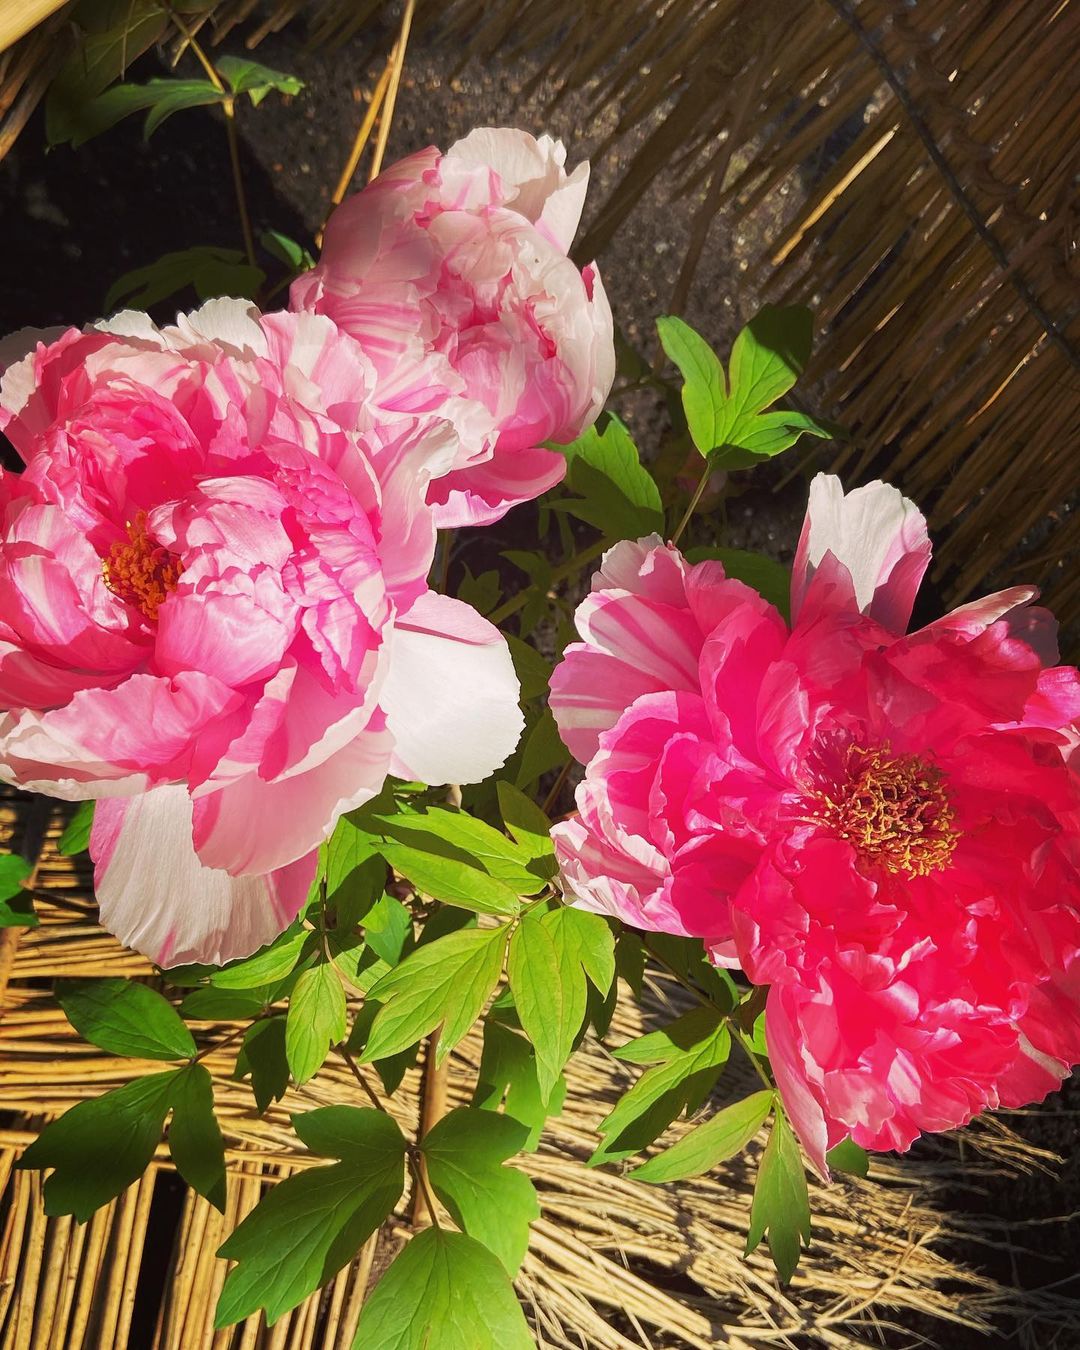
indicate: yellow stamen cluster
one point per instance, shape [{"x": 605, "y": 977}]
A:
[
  {"x": 892, "y": 809},
  {"x": 139, "y": 570}
]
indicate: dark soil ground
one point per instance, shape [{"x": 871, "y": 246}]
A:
[{"x": 71, "y": 222}]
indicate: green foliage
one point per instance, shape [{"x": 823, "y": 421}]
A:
[
  {"x": 295, "y": 256},
  {"x": 159, "y": 99},
  {"x": 615, "y": 492},
  {"x": 312, "y": 1223},
  {"x": 99, "y": 1147},
  {"x": 529, "y": 827},
  {"x": 719, "y": 1138},
  {"x": 726, "y": 415},
  {"x": 16, "y": 904},
  {"x": 508, "y": 1075},
  {"x": 465, "y": 1153},
  {"x": 262, "y": 1056},
  {"x": 125, "y": 1018},
  {"x": 847, "y": 1156},
  {"x": 116, "y": 33},
  {"x": 76, "y": 836},
  {"x": 446, "y": 877},
  {"x": 688, "y": 1056},
  {"x": 209, "y": 270},
  {"x": 458, "y": 835},
  {"x": 316, "y": 1020},
  {"x": 781, "y": 1205},
  {"x": 541, "y": 751},
  {"x": 551, "y": 956},
  {"x": 444, "y": 983},
  {"x": 445, "y": 1290},
  {"x": 195, "y": 1141},
  {"x": 244, "y": 76},
  {"x": 273, "y": 963}
]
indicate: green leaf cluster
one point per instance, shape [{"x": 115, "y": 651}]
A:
[
  {"x": 726, "y": 412},
  {"x": 100, "y": 1147},
  {"x": 614, "y": 491}
]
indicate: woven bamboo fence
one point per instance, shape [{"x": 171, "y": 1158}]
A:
[{"x": 613, "y": 1264}]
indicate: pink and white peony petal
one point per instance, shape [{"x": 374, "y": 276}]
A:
[
  {"x": 786, "y": 1060},
  {"x": 640, "y": 638},
  {"x": 324, "y": 368},
  {"x": 157, "y": 897},
  {"x": 109, "y": 741},
  {"x": 483, "y": 493},
  {"x": 451, "y": 694},
  {"x": 531, "y": 175},
  {"x": 877, "y": 534},
  {"x": 976, "y": 617},
  {"x": 254, "y": 826},
  {"x": 131, "y": 323},
  {"x": 17, "y": 366},
  {"x": 223, "y": 323}
]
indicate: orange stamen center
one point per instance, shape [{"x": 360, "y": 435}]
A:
[
  {"x": 892, "y": 809},
  {"x": 140, "y": 571}
]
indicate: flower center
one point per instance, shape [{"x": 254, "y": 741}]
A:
[
  {"x": 892, "y": 809},
  {"x": 139, "y": 570}
]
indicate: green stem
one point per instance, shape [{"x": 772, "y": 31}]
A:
[
  {"x": 229, "y": 107},
  {"x": 561, "y": 573},
  {"x": 706, "y": 475},
  {"x": 357, "y": 1073},
  {"x": 737, "y": 1032}
]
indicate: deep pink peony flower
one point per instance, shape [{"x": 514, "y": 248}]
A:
[
  {"x": 883, "y": 828},
  {"x": 451, "y": 270},
  {"x": 214, "y": 613}
]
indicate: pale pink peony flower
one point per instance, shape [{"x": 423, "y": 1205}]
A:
[
  {"x": 214, "y": 613},
  {"x": 451, "y": 271},
  {"x": 883, "y": 828}
]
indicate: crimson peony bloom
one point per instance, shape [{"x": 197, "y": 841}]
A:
[
  {"x": 451, "y": 271},
  {"x": 884, "y": 828},
  {"x": 214, "y": 613}
]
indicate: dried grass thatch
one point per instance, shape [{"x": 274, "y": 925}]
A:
[
  {"x": 932, "y": 157},
  {"x": 614, "y": 1264}
]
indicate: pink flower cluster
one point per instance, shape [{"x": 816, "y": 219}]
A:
[
  {"x": 214, "y": 609},
  {"x": 883, "y": 827}
]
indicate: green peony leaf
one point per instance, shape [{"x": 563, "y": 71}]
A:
[
  {"x": 210, "y": 271},
  {"x": 781, "y": 1205},
  {"x": 529, "y": 827},
  {"x": 465, "y": 1153},
  {"x": 125, "y": 1018},
  {"x": 847, "y": 1156},
  {"x": 313, "y": 1223},
  {"x": 195, "y": 1141},
  {"x": 508, "y": 1073},
  {"x": 451, "y": 880},
  {"x": 99, "y": 1147},
  {"x": 262, "y": 1055},
  {"x": 444, "y": 1292},
  {"x": 244, "y": 76},
  {"x": 704, "y": 391},
  {"x": 76, "y": 836},
  {"x": 16, "y": 904},
  {"x": 691, "y": 1053},
  {"x": 458, "y": 835},
  {"x": 551, "y": 956},
  {"x": 616, "y": 493},
  {"x": 719, "y": 1138},
  {"x": 266, "y": 967},
  {"x": 316, "y": 1020},
  {"x": 444, "y": 983}
]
